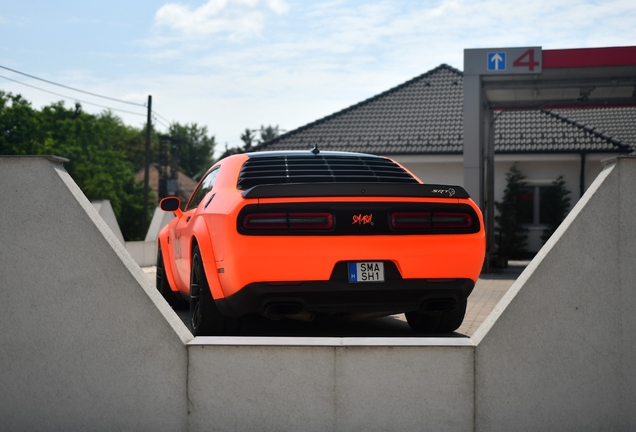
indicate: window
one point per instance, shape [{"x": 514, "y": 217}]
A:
[
  {"x": 204, "y": 187},
  {"x": 534, "y": 204}
]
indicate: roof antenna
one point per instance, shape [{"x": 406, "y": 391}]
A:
[{"x": 315, "y": 149}]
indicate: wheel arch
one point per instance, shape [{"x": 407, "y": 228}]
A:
[
  {"x": 168, "y": 259},
  {"x": 201, "y": 238}
]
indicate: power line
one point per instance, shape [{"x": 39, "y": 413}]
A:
[
  {"x": 72, "y": 88},
  {"x": 161, "y": 123},
  {"x": 71, "y": 98},
  {"x": 85, "y": 92},
  {"x": 159, "y": 115}
]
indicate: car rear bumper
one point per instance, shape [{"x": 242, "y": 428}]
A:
[{"x": 337, "y": 295}]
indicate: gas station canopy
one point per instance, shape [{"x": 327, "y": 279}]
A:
[{"x": 532, "y": 78}]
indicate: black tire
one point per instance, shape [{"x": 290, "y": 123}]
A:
[
  {"x": 205, "y": 317},
  {"x": 437, "y": 322},
  {"x": 163, "y": 286}
]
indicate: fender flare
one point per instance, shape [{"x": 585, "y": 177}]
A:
[
  {"x": 201, "y": 235},
  {"x": 168, "y": 258}
]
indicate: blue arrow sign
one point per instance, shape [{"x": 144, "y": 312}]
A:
[{"x": 497, "y": 61}]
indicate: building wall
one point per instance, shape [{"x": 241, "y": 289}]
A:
[{"x": 539, "y": 169}]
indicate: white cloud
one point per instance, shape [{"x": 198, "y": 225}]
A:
[
  {"x": 236, "y": 18},
  {"x": 278, "y": 6},
  {"x": 316, "y": 58}
]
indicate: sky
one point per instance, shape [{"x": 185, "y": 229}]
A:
[{"x": 229, "y": 65}]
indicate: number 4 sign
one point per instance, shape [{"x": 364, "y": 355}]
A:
[
  {"x": 503, "y": 61},
  {"x": 526, "y": 60}
]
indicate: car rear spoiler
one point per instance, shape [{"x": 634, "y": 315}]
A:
[{"x": 294, "y": 190}]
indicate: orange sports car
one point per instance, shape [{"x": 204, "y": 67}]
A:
[{"x": 300, "y": 234}]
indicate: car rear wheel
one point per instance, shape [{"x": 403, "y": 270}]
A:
[
  {"x": 437, "y": 322},
  {"x": 205, "y": 317},
  {"x": 162, "y": 283}
]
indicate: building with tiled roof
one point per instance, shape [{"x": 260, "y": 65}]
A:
[
  {"x": 420, "y": 124},
  {"x": 424, "y": 116}
]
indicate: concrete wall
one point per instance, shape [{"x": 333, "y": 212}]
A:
[
  {"x": 105, "y": 210},
  {"x": 88, "y": 344},
  {"x": 160, "y": 219},
  {"x": 557, "y": 353},
  {"x": 86, "y": 341},
  {"x": 144, "y": 253},
  {"x": 331, "y": 384}
]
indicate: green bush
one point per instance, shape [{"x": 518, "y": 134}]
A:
[
  {"x": 555, "y": 205},
  {"x": 511, "y": 237}
]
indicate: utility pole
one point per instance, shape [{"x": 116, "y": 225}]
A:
[{"x": 144, "y": 220}]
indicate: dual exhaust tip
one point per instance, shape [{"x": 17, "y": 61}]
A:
[{"x": 295, "y": 310}]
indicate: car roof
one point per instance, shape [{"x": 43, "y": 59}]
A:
[{"x": 313, "y": 152}]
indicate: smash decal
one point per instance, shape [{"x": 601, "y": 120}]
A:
[{"x": 361, "y": 219}]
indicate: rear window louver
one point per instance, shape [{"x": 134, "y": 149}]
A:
[{"x": 320, "y": 169}]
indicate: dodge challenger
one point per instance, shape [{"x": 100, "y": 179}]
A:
[{"x": 303, "y": 234}]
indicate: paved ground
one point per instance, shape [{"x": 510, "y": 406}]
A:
[{"x": 487, "y": 293}]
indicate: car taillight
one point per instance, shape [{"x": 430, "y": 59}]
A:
[
  {"x": 284, "y": 221},
  {"x": 452, "y": 220},
  {"x": 411, "y": 220},
  {"x": 430, "y": 220},
  {"x": 265, "y": 221},
  {"x": 310, "y": 221}
]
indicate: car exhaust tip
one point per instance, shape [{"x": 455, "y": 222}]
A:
[
  {"x": 277, "y": 311},
  {"x": 438, "y": 305}
]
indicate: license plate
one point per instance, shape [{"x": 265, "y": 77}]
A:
[{"x": 368, "y": 271}]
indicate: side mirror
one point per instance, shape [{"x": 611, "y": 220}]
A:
[{"x": 171, "y": 204}]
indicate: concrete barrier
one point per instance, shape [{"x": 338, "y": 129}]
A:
[
  {"x": 160, "y": 219},
  {"x": 144, "y": 253},
  {"x": 331, "y": 384},
  {"x": 87, "y": 343},
  {"x": 105, "y": 210},
  {"x": 558, "y": 351}
]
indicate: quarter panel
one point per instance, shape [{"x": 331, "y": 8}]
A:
[
  {"x": 168, "y": 257},
  {"x": 201, "y": 233}
]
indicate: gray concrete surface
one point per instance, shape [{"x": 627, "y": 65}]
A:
[
  {"x": 336, "y": 384},
  {"x": 86, "y": 341},
  {"x": 160, "y": 219},
  {"x": 105, "y": 210},
  {"x": 144, "y": 253},
  {"x": 557, "y": 353}
]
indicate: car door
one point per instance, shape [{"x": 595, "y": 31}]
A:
[{"x": 183, "y": 229}]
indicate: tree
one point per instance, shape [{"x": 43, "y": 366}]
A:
[
  {"x": 98, "y": 162},
  {"x": 268, "y": 133},
  {"x": 511, "y": 235},
  {"x": 248, "y": 138},
  {"x": 94, "y": 144},
  {"x": 555, "y": 204},
  {"x": 196, "y": 148},
  {"x": 20, "y": 132}
]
